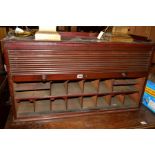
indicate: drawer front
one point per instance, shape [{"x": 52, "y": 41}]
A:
[{"x": 36, "y": 62}]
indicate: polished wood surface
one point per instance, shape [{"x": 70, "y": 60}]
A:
[
  {"x": 80, "y": 59},
  {"x": 143, "y": 118}
]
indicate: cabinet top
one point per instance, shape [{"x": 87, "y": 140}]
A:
[{"x": 76, "y": 38}]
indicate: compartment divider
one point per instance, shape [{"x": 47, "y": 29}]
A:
[
  {"x": 109, "y": 84},
  {"x": 34, "y": 104},
  {"x": 66, "y": 86},
  {"x": 81, "y": 102},
  {"x": 81, "y": 84},
  {"x": 66, "y": 103},
  {"x": 108, "y": 99},
  {"x": 51, "y": 105},
  {"x": 120, "y": 98}
]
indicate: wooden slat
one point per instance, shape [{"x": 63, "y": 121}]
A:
[{"x": 53, "y": 61}]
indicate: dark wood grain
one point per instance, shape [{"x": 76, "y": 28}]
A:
[{"x": 59, "y": 63}]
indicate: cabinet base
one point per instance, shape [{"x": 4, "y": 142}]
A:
[{"x": 71, "y": 114}]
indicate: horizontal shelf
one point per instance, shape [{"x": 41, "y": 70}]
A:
[
  {"x": 23, "y": 97},
  {"x": 125, "y": 81},
  {"x": 31, "y": 86},
  {"x": 32, "y": 94},
  {"x": 124, "y": 88}
]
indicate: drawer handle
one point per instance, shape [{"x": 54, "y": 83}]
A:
[
  {"x": 124, "y": 74},
  {"x": 81, "y": 76}
]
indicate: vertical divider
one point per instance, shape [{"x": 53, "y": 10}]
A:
[
  {"x": 140, "y": 85},
  {"x": 95, "y": 100},
  {"x": 51, "y": 105},
  {"x": 121, "y": 98},
  {"x": 17, "y": 103},
  {"x": 66, "y": 86},
  {"x": 81, "y": 102},
  {"x": 34, "y": 104},
  {"x": 51, "y": 88},
  {"x": 108, "y": 99},
  {"x": 98, "y": 85},
  {"x": 97, "y": 91},
  {"x": 95, "y": 83},
  {"x": 66, "y": 97},
  {"x": 66, "y": 103},
  {"x": 82, "y": 88},
  {"x": 109, "y": 84},
  {"x": 81, "y": 84},
  {"x": 51, "y": 100}
]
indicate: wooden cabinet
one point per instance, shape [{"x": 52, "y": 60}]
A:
[{"x": 76, "y": 76}]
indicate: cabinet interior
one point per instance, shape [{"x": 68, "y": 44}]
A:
[{"x": 58, "y": 96}]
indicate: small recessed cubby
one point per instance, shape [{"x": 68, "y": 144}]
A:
[
  {"x": 131, "y": 100},
  {"x": 91, "y": 86},
  {"x": 89, "y": 102},
  {"x": 42, "y": 106},
  {"x": 74, "y": 103},
  {"x": 103, "y": 101},
  {"x": 27, "y": 86},
  {"x": 117, "y": 101},
  {"x": 75, "y": 87},
  {"x": 58, "y": 105},
  {"x": 58, "y": 88},
  {"x": 31, "y": 90},
  {"x": 105, "y": 86},
  {"x": 128, "y": 85},
  {"x": 25, "y": 107}
]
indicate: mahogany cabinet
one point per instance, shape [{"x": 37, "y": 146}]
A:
[{"x": 76, "y": 76}]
